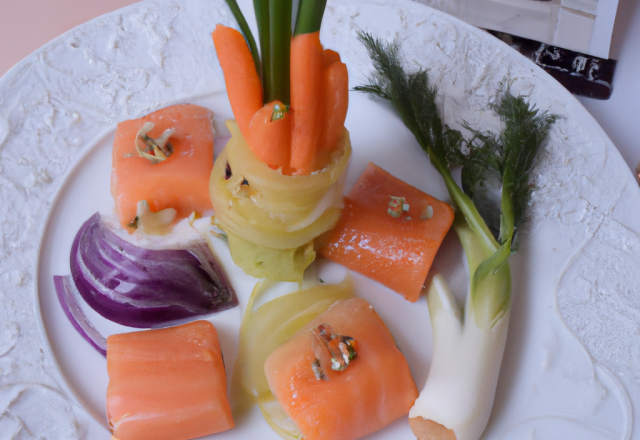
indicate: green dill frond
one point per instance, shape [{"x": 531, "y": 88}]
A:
[
  {"x": 507, "y": 159},
  {"x": 425, "y": 111},
  {"x": 483, "y": 162},
  {"x": 389, "y": 77},
  {"x": 455, "y": 156},
  {"x": 525, "y": 128},
  {"x": 375, "y": 89},
  {"x": 481, "y": 176},
  {"x": 390, "y": 81},
  {"x": 414, "y": 98}
]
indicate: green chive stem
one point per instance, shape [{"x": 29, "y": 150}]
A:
[
  {"x": 309, "y": 17},
  {"x": 261, "y": 8},
  {"x": 248, "y": 35},
  {"x": 277, "y": 69}
]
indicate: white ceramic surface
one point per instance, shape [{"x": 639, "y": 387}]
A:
[{"x": 553, "y": 385}]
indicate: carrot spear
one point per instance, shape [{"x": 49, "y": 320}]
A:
[
  {"x": 240, "y": 76},
  {"x": 306, "y": 96},
  {"x": 295, "y": 85}
]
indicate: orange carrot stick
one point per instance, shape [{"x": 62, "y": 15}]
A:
[
  {"x": 306, "y": 94},
  {"x": 335, "y": 100},
  {"x": 329, "y": 57},
  {"x": 270, "y": 135},
  {"x": 243, "y": 84}
]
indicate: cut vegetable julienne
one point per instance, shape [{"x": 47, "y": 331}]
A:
[
  {"x": 268, "y": 209},
  {"x": 290, "y": 104},
  {"x": 180, "y": 180},
  {"x": 242, "y": 82},
  {"x": 270, "y": 128},
  {"x": 145, "y": 288},
  {"x": 389, "y": 231},
  {"x": 167, "y": 384},
  {"x": 306, "y": 99},
  {"x": 375, "y": 389},
  {"x": 272, "y": 209}
]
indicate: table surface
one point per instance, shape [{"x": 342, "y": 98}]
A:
[{"x": 619, "y": 116}]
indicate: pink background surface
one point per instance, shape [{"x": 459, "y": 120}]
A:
[{"x": 28, "y": 24}]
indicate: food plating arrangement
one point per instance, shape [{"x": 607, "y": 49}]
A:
[{"x": 313, "y": 357}]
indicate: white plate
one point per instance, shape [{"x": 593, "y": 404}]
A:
[
  {"x": 86, "y": 190},
  {"x": 545, "y": 365}
]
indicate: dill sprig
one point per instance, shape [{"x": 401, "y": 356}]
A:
[
  {"x": 525, "y": 129},
  {"x": 506, "y": 160}
]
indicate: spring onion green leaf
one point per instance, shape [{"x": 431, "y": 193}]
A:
[
  {"x": 274, "y": 30},
  {"x": 309, "y": 17},
  {"x": 276, "y": 67}
]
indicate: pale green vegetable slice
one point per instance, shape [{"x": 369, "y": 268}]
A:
[
  {"x": 275, "y": 264},
  {"x": 278, "y": 419},
  {"x": 264, "y": 328}
]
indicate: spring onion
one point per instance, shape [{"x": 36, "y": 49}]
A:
[{"x": 468, "y": 345}]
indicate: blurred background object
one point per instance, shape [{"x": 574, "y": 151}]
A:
[
  {"x": 28, "y": 24},
  {"x": 581, "y": 74},
  {"x": 570, "y": 39},
  {"x": 579, "y": 25}
]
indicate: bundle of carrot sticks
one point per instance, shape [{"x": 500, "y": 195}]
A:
[{"x": 291, "y": 104}]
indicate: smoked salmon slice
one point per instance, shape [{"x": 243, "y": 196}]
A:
[
  {"x": 181, "y": 181},
  {"x": 375, "y": 389},
  {"x": 167, "y": 384},
  {"x": 389, "y": 231}
]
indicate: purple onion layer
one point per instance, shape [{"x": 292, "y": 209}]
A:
[
  {"x": 68, "y": 297},
  {"x": 146, "y": 288}
]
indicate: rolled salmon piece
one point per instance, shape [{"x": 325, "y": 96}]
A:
[
  {"x": 328, "y": 400},
  {"x": 177, "y": 176},
  {"x": 167, "y": 384}
]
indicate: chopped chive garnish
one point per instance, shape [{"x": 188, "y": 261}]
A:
[{"x": 279, "y": 111}]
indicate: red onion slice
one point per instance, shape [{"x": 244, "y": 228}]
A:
[
  {"x": 68, "y": 297},
  {"x": 146, "y": 288}
]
